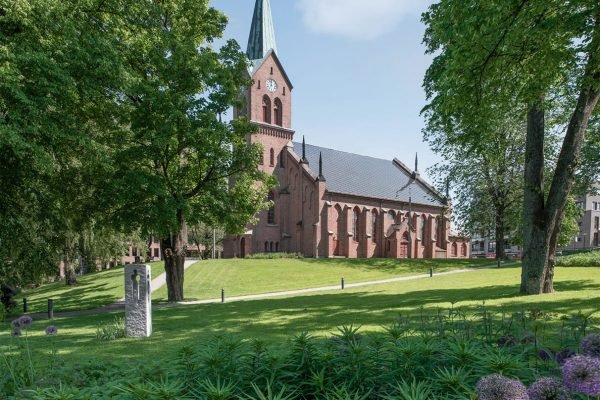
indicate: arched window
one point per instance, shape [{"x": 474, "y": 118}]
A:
[
  {"x": 266, "y": 109},
  {"x": 312, "y": 200},
  {"x": 271, "y": 212},
  {"x": 463, "y": 250},
  {"x": 422, "y": 227},
  {"x": 355, "y": 224},
  {"x": 374, "y": 226},
  {"x": 272, "y": 247},
  {"x": 435, "y": 228},
  {"x": 391, "y": 217},
  {"x": 277, "y": 247},
  {"x": 278, "y": 111},
  {"x": 266, "y": 247},
  {"x": 454, "y": 250},
  {"x": 271, "y": 157}
]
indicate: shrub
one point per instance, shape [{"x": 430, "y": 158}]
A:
[
  {"x": 7, "y": 294},
  {"x": 111, "y": 331},
  {"x": 274, "y": 256},
  {"x": 583, "y": 259}
]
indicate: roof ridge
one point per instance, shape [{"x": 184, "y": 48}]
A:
[{"x": 348, "y": 152}]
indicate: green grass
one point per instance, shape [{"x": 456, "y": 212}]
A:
[
  {"x": 276, "y": 319},
  {"x": 91, "y": 291},
  {"x": 205, "y": 279}
]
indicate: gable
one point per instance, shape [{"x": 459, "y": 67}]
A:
[{"x": 257, "y": 66}]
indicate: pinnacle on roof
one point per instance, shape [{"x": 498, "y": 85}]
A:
[{"x": 262, "y": 32}]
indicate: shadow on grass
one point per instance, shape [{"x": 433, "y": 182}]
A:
[
  {"x": 279, "y": 319},
  {"x": 89, "y": 292}
]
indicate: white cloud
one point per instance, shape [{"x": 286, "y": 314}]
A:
[{"x": 358, "y": 19}]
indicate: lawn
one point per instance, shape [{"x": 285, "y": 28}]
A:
[
  {"x": 91, "y": 291},
  {"x": 276, "y": 319},
  {"x": 205, "y": 279}
]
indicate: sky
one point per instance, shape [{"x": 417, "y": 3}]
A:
[{"x": 357, "y": 67}]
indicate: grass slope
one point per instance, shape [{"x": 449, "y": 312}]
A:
[
  {"x": 204, "y": 280},
  {"x": 91, "y": 291},
  {"x": 276, "y": 319}
]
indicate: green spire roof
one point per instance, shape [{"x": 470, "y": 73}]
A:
[{"x": 262, "y": 32}]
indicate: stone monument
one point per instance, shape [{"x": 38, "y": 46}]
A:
[{"x": 138, "y": 301}]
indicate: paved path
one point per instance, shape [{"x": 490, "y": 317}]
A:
[{"x": 160, "y": 280}]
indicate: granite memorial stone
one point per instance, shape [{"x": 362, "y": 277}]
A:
[{"x": 138, "y": 301}]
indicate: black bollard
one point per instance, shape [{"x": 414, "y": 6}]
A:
[
  {"x": 50, "y": 309},
  {"x": 342, "y": 282},
  {"x": 25, "y": 308},
  {"x": 431, "y": 272},
  {"x": 222, "y": 295}
]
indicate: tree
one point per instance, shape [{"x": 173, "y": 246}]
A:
[
  {"x": 487, "y": 180},
  {"x": 58, "y": 67},
  {"x": 523, "y": 56},
  {"x": 179, "y": 163},
  {"x": 205, "y": 237}
]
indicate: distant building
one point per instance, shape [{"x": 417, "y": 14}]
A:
[
  {"x": 483, "y": 245},
  {"x": 136, "y": 254},
  {"x": 589, "y": 225},
  {"x": 330, "y": 203}
]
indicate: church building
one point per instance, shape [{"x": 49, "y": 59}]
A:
[{"x": 329, "y": 203}]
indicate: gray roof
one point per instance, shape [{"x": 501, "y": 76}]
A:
[
  {"x": 262, "y": 32},
  {"x": 365, "y": 176}
]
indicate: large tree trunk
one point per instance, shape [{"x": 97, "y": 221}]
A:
[
  {"x": 542, "y": 222},
  {"x": 549, "y": 273},
  {"x": 535, "y": 242},
  {"x": 174, "y": 248}
]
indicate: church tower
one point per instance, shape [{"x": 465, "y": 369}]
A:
[{"x": 269, "y": 99}]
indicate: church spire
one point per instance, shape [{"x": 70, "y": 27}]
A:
[
  {"x": 262, "y": 32},
  {"x": 321, "y": 177},
  {"x": 303, "y": 160},
  {"x": 417, "y": 163}
]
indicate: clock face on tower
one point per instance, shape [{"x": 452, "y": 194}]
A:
[{"x": 271, "y": 85}]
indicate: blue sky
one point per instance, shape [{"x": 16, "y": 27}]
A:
[{"x": 357, "y": 67}]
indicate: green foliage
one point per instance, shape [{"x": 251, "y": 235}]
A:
[
  {"x": 584, "y": 259},
  {"x": 112, "y": 331},
  {"x": 350, "y": 365},
  {"x": 496, "y": 63},
  {"x": 274, "y": 256},
  {"x": 202, "y": 235}
]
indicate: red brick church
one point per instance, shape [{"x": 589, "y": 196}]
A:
[{"x": 329, "y": 203}]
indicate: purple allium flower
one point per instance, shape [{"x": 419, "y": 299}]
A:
[
  {"x": 16, "y": 332},
  {"x": 564, "y": 355},
  {"x": 548, "y": 389},
  {"x": 590, "y": 345},
  {"x": 51, "y": 330},
  {"x": 582, "y": 374},
  {"x": 25, "y": 321},
  {"x": 498, "y": 387}
]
